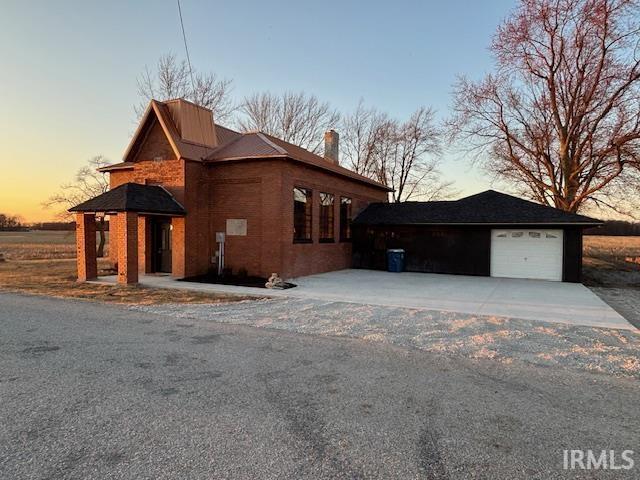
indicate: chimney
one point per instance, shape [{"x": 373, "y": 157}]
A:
[
  {"x": 193, "y": 122},
  {"x": 331, "y": 139}
]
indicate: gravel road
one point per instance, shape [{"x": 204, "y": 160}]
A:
[
  {"x": 99, "y": 391},
  {"x": 501, "y": 339}
]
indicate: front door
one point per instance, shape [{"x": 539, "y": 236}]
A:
[{"x": 161, "y": 244}]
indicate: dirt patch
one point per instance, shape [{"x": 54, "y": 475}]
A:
[{"x": 57, "y": 278}]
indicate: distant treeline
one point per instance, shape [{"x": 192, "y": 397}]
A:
[
  {"x": 58, "y": 226},
  {"x": 11, "y": 223},
  {"x": 615, "y": 227}
]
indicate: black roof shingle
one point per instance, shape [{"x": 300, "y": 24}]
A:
[
  {"x": 133, "y": 197},
  {"x": 486, "y": 208}
]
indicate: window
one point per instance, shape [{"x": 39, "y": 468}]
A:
[
  {"x": 345, "y": 219},
  {"x": 326, "y": 217},
  {"x": 301, "y": 215}
]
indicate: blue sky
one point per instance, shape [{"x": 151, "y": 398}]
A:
[{"x": 68, "y": 69}]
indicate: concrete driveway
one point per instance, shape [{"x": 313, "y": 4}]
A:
[{"x": 569, "y": 303}]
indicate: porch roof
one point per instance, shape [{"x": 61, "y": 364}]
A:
[{"x": 133, "y": 197}]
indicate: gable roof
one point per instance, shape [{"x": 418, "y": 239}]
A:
[
  {"x": 231, "y": 146},
  {"x": 133, "y": 197},
  {"x": 486, "y": 208},
  {"x": 259, "y": 145},
  {"x": 181, "y": 148}
]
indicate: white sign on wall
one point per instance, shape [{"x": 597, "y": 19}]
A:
[{"x": 237, "y": 226}]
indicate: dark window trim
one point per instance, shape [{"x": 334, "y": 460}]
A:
[
  {"x": 332, "y": 214},
  {"x": 309, "y": 196},
  {"x": 342, "y": 238}
]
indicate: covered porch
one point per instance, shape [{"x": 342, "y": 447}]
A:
[{"x": 150, "y": 224}]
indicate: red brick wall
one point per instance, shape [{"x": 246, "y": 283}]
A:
[
  {"x": 300, "y": 259},
  {"x": 262, "y": 193},
  {"x": 168, "y": 173},
  {"x": 248, "y": 190},
  {"x": 258, "y": 191}
]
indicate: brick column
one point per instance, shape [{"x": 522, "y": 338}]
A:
[
  {"x": 86, "y": 247},
  {"x": 127, "y": 247},
  {"x": 178, "y": 248}
]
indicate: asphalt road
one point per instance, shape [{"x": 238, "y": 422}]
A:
[{"x": 98, "y": 391}]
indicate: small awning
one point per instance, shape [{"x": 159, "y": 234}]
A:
[{"x": 133, "y": 197}]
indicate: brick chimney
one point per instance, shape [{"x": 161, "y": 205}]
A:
[
  {"x": 193, "y": 122},
  {"x": 331, "y": 140}
]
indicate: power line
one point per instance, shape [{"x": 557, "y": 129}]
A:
[
  {"x": 193, "y": 83},
  {"x": 186, "y": 47}
]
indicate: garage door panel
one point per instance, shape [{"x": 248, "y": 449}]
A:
[{"x": 533, "y": 253}]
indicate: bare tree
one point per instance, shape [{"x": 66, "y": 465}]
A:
[
  {"x": 171, "y": 79},
  {"x": 362, "y": 131},
  {"x": 560, "y": 118},
  {"x": 88, "y": 183},
  {"x": 397, "y": 154},
  {"x": 11, "y": 222},
  {"x": 297, "y": 118}
]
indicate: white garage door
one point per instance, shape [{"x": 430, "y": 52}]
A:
[{"x": 527, "y": 254}]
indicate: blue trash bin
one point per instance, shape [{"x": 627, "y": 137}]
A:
[{"x": 395, "y": 260}]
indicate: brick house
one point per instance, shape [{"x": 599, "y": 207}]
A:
[{"x": 190, "y": 195}]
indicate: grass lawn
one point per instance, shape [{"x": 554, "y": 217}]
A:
[{"x": 43, "y": 263}]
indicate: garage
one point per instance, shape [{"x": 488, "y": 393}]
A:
[
  {"x": 520, "y": 253},
  {"x": 487, "y": 234}
]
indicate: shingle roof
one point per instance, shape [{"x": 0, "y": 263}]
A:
[
  {"x": 489, "y": 208},
  {"x": 133, "y": 197}
]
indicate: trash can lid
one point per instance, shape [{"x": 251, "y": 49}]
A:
[{"x": 396, "y": 250}]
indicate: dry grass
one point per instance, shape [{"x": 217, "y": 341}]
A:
[
  {"x": 43, "y": 263},
  {"x": 37, "y": 245},
  {"x": 605, "y": 261},
  {"x": 57, "y": 278}
]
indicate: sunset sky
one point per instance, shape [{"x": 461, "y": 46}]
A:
[{"x": 68, "y": 70}]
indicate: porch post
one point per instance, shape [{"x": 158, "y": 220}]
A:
[
  {"x": 127, "y": 247},
  {"x": 86, "y": 247}
]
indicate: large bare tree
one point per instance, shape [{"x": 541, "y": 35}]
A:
[
  {"x": 297, "y": 118},
  {"x": 560, "y": 117},
  {"x": 171, "y": 79},
  {"x": 88, "y": 183},
  {"x": 401, "y": 155}
]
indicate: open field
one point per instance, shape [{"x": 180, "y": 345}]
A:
[
  {"x": 608, "y": 273},
  {"x": 605, "y": 261},
  {"x": 38, "y": 245}
]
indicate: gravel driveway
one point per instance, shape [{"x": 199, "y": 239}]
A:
[
  {"x": 498, "y": 338},
  {"x": 92, "y": 391}
]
